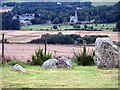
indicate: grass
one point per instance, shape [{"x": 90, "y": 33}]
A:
[
  {"x": 108, "y": 27},
  {"x": 78, "y": 77},
  {"x": 36, "y": 27},
  {"x": 0, "y": 78},
  {"x": 45, "y": 26}
]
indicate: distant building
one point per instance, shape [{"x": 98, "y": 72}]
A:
[
  {"x": 59, "y": 3},
  {"x": 74, "y": 19},
  {"x": 25, "y": 23},
  {"x": 25, "y": 18},
  {"x": 88, "y": 22},
  {"x": 49, "y": 22}
]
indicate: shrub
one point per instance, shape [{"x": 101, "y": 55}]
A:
[
  {"x": 55, "y": 27},
  {"x": 74, "y": 36},
  {"x": 96, "y": 25},
  {"x": 39, "y": 57},
  {"x": 55, "y": 39},
  {"x": 66, "y": 39},
  {"x": 76, "y": 26},
  {"x": 84, "y": 58},
  {"x": 90, "y": 39},
  {"x": 85, "y": 26}
]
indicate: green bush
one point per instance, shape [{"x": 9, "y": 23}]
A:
[
  {"x": 55, "y": 39},
  {"x": 55, "y": 27},
  {"x": 83, "y": 58},
  {"x": 39, "y": 57},
  {"x": 90, "y": 39},
  {"x": 76, "y": 26},
  {"x": 66, "y": 39},
  {"x": 85, "y": 26}
]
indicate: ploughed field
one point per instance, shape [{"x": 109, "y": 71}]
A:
[
  {"x": 26, "y": 36},
  {"x": 24, "y": 51}
]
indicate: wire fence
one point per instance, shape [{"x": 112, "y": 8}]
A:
[{"x": 17, "y": 47}]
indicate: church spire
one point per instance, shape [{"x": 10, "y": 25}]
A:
[
  {"x": 76, "y": 13},
  {"x": 76, "y": 17}
]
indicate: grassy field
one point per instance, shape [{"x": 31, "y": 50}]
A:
[
  {"x": 78, "y": 77},
  {"x": 108, "y": 27},
  {"x": 49, "y": 27}
]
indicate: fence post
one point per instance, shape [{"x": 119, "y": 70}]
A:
[
  {"x": 45, "y": 46},
  {"x": 84, "y": 46},
  {"x": 3, "y": 45}
]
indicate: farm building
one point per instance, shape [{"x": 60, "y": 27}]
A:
[{"x": 25, "y": 18}]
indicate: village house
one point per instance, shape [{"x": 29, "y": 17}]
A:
[{"x": 25, "y": 18}]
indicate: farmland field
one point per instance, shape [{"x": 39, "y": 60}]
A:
[
  {"x": 108, "y": 27},
  {"x": 26, "y": 36},
  {"x": 24, "y": 51}
]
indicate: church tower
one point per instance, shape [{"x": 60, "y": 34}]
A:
[{"x": 74, "y": 19}]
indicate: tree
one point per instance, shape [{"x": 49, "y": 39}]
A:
[
  {"x": 118, "y": 26},
  {"x": 85, "y": 26},
  {"x": 16, "y": 24},
  {"x": 91, "y": 27},
  {"x": 77, "y": 26},
  {"x": 56, "y": 21},
  {"x": 65, "y": 19},
  {"x": 55, "y": 27},
  {"x": 7, "y": 21},
  {"x": 36, "y": 15}
]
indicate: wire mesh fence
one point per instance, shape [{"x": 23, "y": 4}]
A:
[{"x": 16, "y": 46}]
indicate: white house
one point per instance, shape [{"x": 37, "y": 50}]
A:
[{"x": 25, "y": 18}]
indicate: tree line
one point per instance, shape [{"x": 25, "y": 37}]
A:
[
  {"x": 66, "y": 39},
  {"x": 59, "y": 13},
  {"x": 8, "y": 23}
]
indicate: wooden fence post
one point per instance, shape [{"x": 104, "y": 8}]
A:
[
  {"x": 84, "y": 46},
  {"x": 3, "y": 45},
  {"x": 45, "y": 46}
]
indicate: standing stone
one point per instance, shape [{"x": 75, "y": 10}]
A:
[
  {"x": 17, "y": 67},
  {"x": 106, "y": 53},
  {"x": 64, "y": 62},
  {"x": 51, "y": 63}
]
